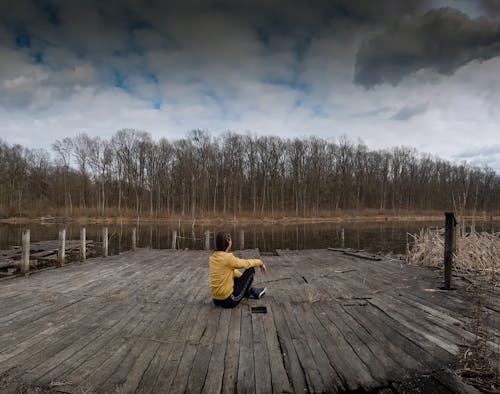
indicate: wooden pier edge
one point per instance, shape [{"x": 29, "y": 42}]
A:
[{"x": 328, "y": 322}]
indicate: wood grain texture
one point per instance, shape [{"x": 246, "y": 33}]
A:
[{"x": 144, "y": 322}]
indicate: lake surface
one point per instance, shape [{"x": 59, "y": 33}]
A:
[{"x": 373, "y": 237}]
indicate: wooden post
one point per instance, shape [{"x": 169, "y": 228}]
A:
[
  {"x": 242, "y": 239},
  {"x": 105, "y": 241},
  {"x": 192, "y": 242},
  {"x": 61, "y": 257},
  {"x": 450, "y": 224},
  {"x": 174, "y": 239},
  {"x": 407, "y": 248},
  {"x": 342, "y": 238},
  {"x": 207, "y": 240},
  {"x": 25, "y": 256},
  {"x": 83, "y": 244},
  {"x": 134, "y": 238}
]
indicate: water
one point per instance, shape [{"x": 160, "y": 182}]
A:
[{"x": 374, "y": 237}]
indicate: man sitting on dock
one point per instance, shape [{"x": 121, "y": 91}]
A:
[{"x": 227, "y": 284}]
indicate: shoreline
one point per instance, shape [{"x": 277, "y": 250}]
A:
[{"x": 244, "y": 220}]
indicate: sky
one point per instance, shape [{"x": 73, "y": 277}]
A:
[{"x": 417, "y": 73}]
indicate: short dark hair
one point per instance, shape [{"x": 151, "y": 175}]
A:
[{"x": 222, "y": 241}]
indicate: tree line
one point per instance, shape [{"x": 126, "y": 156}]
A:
[{"x": 234, "y": 174}]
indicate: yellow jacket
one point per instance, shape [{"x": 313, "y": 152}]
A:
[{"x": 223, "y": 269}]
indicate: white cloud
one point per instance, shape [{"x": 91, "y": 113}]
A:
[{"x": 206, "y": 71}]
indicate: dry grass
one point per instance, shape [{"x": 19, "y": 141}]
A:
[
  {"x": 476, "y": 254},
  {"x": 114, "y": 215},
  {"x": 473, "y": 252}
]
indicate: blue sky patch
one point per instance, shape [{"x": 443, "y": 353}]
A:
[
  {"x": 152, "y": 78},
  {"x": 52, "y": 13},
  {"x": 37, "y": 57},
  {"x": 218, "y": 100},
  {"x": 318, "y": 111},
  {"x": 157, "y": 104},
  {"x": 23, "y": 39},
  {"x": 297, "y": 103},
  {"x": 291, "y": 83},
  {"x": 119, "y": 81}
]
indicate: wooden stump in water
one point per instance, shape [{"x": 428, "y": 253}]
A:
[{"x": 25, "y": 259}]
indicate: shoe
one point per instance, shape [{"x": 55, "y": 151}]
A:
[{"x": 257, "y": 292}]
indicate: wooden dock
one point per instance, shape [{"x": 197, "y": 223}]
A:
[
  {"x": 43, "y": 254},
  {"x": 143, "y": 321}
]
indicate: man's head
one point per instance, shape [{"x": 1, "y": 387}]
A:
[{"x": 223, "y": 241}]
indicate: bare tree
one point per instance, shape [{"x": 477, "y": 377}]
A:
[{"x": 235, "y": 175}]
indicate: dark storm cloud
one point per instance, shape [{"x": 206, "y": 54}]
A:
[
  {"x": 492, "y": 7},
  {"x": 125, "y": 44},
  {"x": 85, "y": 19},
  {"x": 279, "y": 66},
  {"x": 442, "y": 40}
]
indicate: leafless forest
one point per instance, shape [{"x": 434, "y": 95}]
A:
[{"x": 236, "y": 175}]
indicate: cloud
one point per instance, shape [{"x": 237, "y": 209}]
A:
[
  {"x": 442, "y": 39},
  {"x": 268, "y": 67},
  {"x": 409, "y": 111},
  {"x": 480, "y": 151},
  {"x": 371, "y": 113},
  {"x": 484, "y": 155},
  {"x": 492, "y": 7}
]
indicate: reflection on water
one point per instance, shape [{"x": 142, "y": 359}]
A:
[{"x": 374, "y": 237}]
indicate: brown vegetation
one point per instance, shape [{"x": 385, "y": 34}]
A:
[
  {"x": 234, "y": 176},
  {"x": 473, "y": 252}
]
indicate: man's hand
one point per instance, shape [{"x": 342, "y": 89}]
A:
[{"x": 263, "y": 269}]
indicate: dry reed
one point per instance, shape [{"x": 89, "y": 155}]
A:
[{"x": 477, "y": 252}]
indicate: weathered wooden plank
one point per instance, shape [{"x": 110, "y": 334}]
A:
[
  {"x": 200, "y": 364},
  {"x": 441, "y": 305},
  {"x": 182, "y": 329},
  {"x": 98, "y": 365},
  {"x": 306, "y": 357},
  {"x": 446, "y": 322},
  {"x": 329, "y": 376},
  {"x": 357, "y": 345},
  {"x": 168, "y": 327},
  {"x": 379, "y": 350},
  {"x": 55, "y": 346},
  {"x": 290, "y": 356},
  {"x": 408, "y": 322},
  {"x": 81, "y": 349},
  {"x": 398, "y": 347},
  {"x": 353, "y": 371},
  {"x": 363, "y": 256},
  {"x": 123, "y": 373},
  {"x": 279, "y": 379},
  {"x": 120, "y": 324},
  {"x": 153, "y": 370},
  {"x": 232, "y": 357},
  {"x": 21, "y": 348},
  {"x": 334, "y": 322},
  {"x": 262, "y": 373},
  {"x": 199, "y": 328},
  {"x": 215, "y": 373},
  {"x": 134, "y": 376},
  {"x": 246, "y": 366}
]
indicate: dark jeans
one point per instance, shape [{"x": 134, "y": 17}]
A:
[{"x": 242, "y": 286}]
